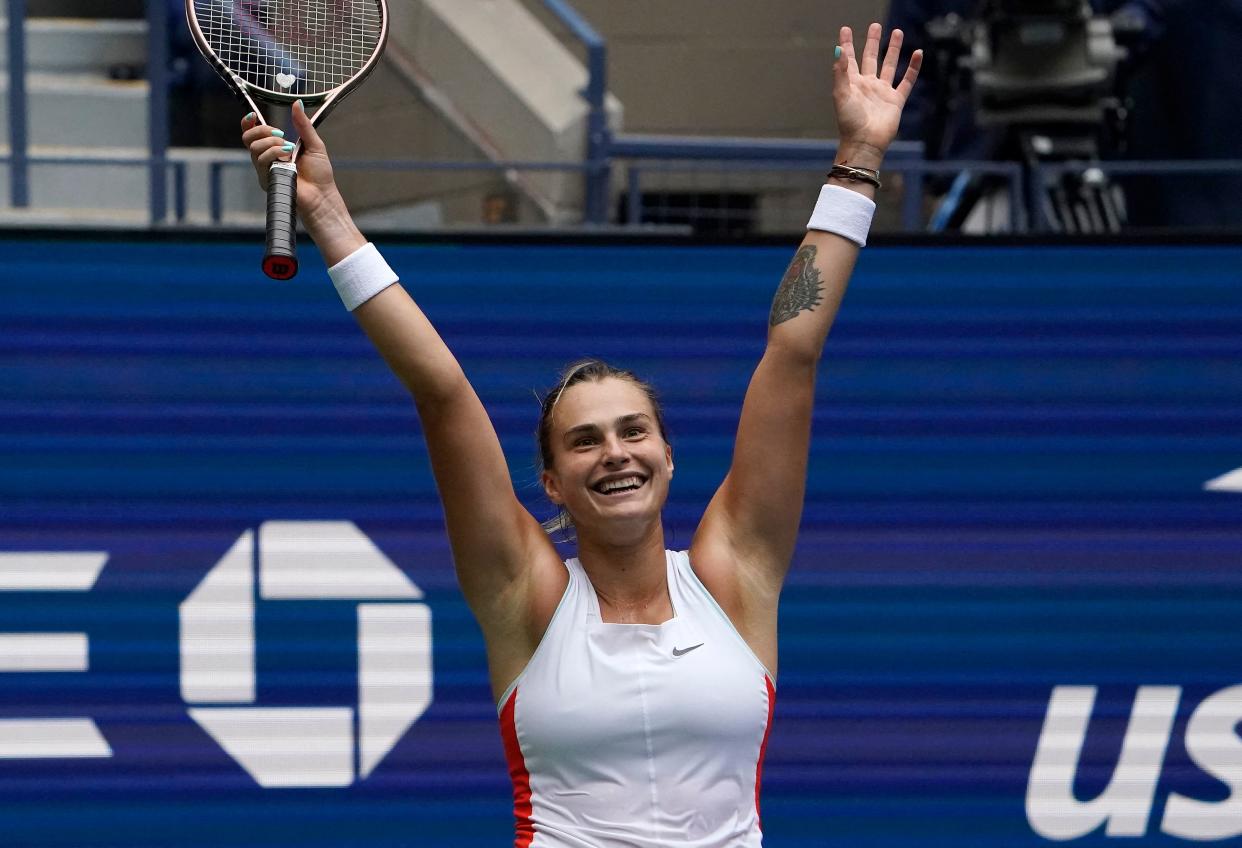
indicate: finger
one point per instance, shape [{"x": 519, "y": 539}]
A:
[
  {"x": 261, "y": 132},
  {"x": 248, "y": 123},
  {"x": 265, "y": 162},
  {"x": 912, "y": 74},
  {"x": 840, "y": 74},
  {"x": 889, "y": 72},
  {"x": 265, "y": 152},
  {"x": 871, "y": 52},
  {"x": 311, "y": 142},
  {"x": 847, "y": 53}
]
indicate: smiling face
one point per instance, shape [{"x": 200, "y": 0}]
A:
[{"x": 610, "y": 466}]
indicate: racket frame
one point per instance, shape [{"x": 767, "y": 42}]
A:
[{"x": 280, "y": 257}]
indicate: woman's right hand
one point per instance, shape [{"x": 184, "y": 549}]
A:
[
  {"x": 316, "y": 183},
  {"x": 320, "y": 206}
]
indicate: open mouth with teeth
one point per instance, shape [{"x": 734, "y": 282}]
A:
[{"x": 620, "y": 485}]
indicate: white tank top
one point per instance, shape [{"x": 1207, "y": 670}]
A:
[{"x": 638, "y": 735}]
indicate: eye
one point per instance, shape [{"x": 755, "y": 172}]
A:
[
  {"x": 634, "y": 432},
  {"x": 584, "y": 442}
]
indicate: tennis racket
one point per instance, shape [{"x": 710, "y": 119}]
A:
[{"x": 279, "y": 52}]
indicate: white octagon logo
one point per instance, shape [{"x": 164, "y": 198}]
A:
[{"x": 306, "y": 746}]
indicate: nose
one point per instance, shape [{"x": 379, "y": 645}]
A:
[{"x": 615, "y": 454}]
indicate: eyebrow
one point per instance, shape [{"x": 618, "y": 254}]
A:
[{"x": 632, "y": 418}]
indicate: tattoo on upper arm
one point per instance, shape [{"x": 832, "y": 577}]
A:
[{"x": 800, "y": 288}]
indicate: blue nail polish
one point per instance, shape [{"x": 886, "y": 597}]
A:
[
  {"x": 249, "y": 117},
  {"x": 278, "y": 133},
  {"x": 836, "y": 52},
  {"x": 288, "y": 148}
]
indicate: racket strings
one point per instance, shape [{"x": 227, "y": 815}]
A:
[{"x": 304, "y": 48}]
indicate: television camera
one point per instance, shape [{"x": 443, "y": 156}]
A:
[{"x": 1046, "y": 78}]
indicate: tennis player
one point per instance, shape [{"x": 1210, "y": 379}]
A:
[{"x": 635, "y": 685}]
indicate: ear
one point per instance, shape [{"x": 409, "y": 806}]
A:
[
  {"x": 668, "y": 457},
  {"x": 551, "y": 487}
]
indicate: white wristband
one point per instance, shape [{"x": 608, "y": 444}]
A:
[
  {"x": 361, "y": 276},
  {"x": 844, "y": 212}
]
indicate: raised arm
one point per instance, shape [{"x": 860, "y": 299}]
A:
[
  {"x": 490, "y": 532},
  {"x": 746, "y": 539}
]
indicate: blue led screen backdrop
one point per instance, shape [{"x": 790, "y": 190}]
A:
[{"x": 227, "y": 609}]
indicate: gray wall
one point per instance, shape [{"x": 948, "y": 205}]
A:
[{"x": 723, "y": 67}]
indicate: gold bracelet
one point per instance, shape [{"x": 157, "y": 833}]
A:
[{"x": 856, "y": 175}]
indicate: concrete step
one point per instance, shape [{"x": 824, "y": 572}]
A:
[
  {"x": 72, "y": 219},
  {"x": 83, "y": 110},
  {"x": 79, "y": 45},
  {"x": 108, "y": 219},
  {"x": 117, "y": 180}
]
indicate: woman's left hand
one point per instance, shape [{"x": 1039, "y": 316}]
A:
[{"x": 868, "y": 105}]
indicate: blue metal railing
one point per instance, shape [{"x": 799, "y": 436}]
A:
[
  {"x": 1048, "y": 174},
  {"x": 216, "y": 168},
  {"x": 907, "y": 161},
  {"x": 19, "y": 172},
  {"x": 178, "y": 169},
  {"x": 157, "y": 105},
  {"x": 635, "y": 146},
  {"x": 19, "y": 158},
  {"x": 759, "y": 154},
  {"x": 599, "y": 136},
  {"x": 641, "y": 153}
]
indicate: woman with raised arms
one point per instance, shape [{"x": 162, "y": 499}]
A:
[{"x": 635, "y": 685}]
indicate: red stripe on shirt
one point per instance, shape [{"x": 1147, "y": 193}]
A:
[
  {"x": 763, "y": 746},
  {"x": 523, "y": 824}
]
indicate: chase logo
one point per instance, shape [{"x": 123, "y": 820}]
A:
[{"x": 306, "y": 746}]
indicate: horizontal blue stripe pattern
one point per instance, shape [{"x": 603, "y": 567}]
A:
[{"x": 1005, "y": 495}]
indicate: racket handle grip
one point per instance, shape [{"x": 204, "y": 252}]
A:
[{"x": 280, "y": 260}]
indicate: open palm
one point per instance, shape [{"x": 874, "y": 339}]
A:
[{"x": 868, "y": 104}]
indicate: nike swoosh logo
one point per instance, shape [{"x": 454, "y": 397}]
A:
[{"x": 678, "y": 652}]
